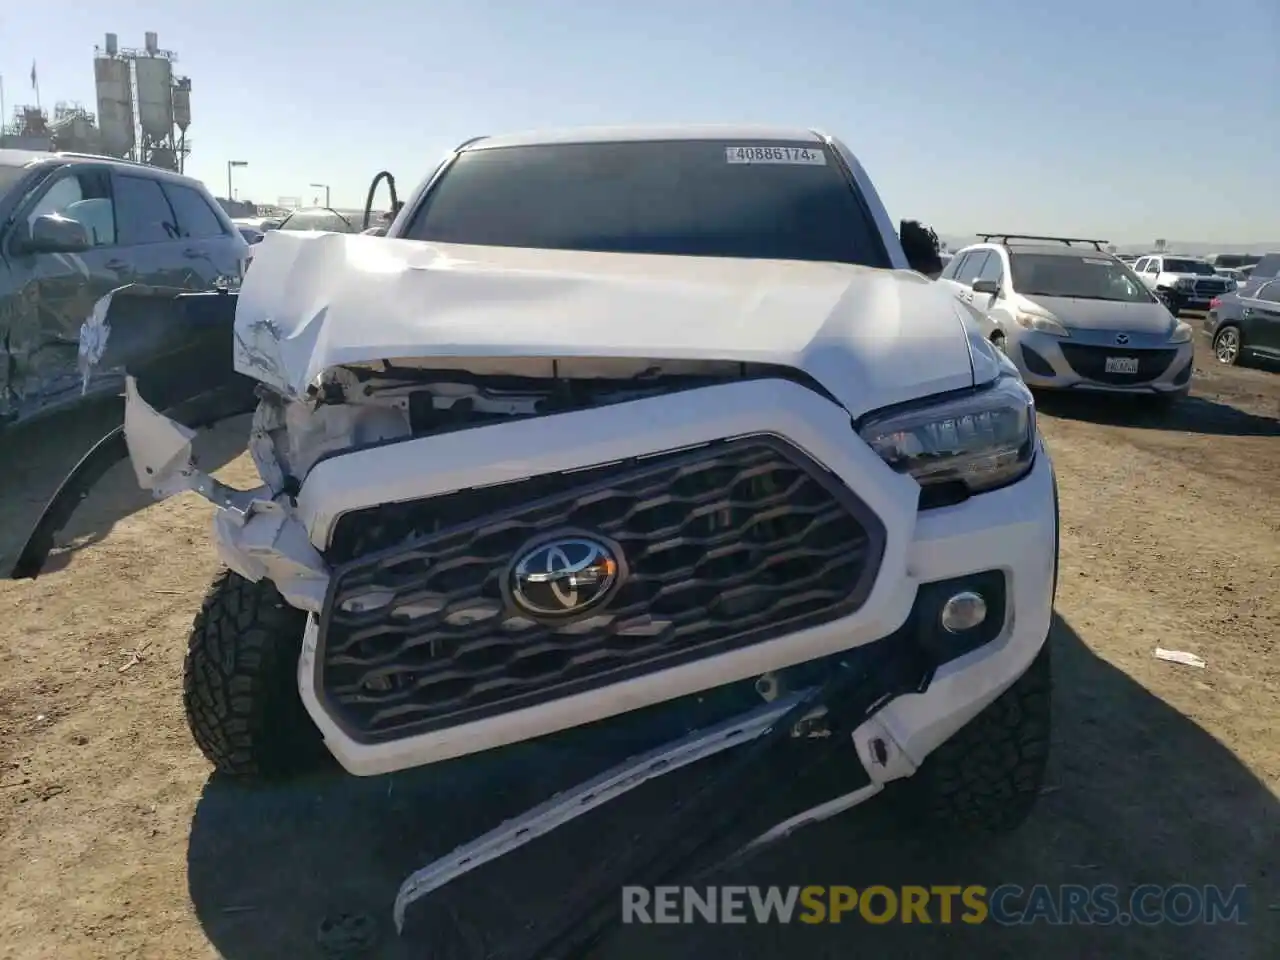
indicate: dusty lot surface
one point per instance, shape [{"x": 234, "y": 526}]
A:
[{"x": 116, "y": 842}]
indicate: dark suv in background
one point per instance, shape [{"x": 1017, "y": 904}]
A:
[
  {"x": 75, "y": 227},
  {"x": 1244, "y": 325}
]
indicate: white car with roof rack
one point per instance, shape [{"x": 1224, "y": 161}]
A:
[
  {"x": 620, "y": 418},
  {"x": 1073, "y": 317}
]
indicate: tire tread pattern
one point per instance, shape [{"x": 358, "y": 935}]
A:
[
  {"x": 987, "y": 777},
  {"x": 240, "y": 690}
]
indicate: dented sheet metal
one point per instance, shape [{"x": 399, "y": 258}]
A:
[
  {"x": 93, "y": 341},
  {"x": 41, "y": 365},
  {"x": 316, "y": 301}
]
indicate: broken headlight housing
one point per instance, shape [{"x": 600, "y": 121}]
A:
[{"x": 978, "y": 440}]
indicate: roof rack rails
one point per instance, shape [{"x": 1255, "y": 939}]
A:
[{"x": 1004, "y": 238}]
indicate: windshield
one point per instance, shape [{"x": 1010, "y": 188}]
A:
[
  {"x": 703, "y": 198},
  {"x": 1199, "y": 267},
  {"x": 1087, "y": 278},
  {"x": 1234, "y": 260},
  {"x": 320, "y": 219}
]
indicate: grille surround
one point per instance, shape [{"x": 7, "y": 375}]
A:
[
  {"x": 1089, "y": 362},
  {"x": 829, "y": 502}
]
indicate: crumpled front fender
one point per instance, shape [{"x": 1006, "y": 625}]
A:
[{"x": 255, "y": 532}]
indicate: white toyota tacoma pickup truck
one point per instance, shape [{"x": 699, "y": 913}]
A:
[{"x": 614, "y": 419}]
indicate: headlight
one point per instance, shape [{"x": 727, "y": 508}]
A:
[
  {"x": 1041, "y": 324},
  {"x": 984, "y": 439},
  {"x": 1181, "y": 333},
  {"x": 1185, "y": 282}
]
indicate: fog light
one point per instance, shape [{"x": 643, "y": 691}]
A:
[{"x": 962, "y": 612}]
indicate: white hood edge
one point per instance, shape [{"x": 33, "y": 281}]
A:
[{"x": 314, "y": 301}]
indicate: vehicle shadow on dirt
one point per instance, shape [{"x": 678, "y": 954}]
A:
[
  {"x": 1192, "y": 414},
  {"x": 1137, "y": 793},
  {"x": 39, "y": 458}
]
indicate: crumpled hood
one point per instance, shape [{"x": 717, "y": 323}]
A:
[
  {"x": 313, "y": 301},
  {"x": 1106, "y": 314}
]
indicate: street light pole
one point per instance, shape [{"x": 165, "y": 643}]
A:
[
  {"x": 326, "y": 191},
  {"x": 230, "y": 164}
]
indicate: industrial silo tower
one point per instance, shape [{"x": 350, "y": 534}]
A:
[
  {"x": 113, "y": 80},
  {"x": 143, "y": 108}
]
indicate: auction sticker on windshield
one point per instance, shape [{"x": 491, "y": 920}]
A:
[{"x": 775, "y": 154}]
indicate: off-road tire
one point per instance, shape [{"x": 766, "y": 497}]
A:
[
  {"x": 985, "y": 780},
  {"x": 239, "y": 684}
]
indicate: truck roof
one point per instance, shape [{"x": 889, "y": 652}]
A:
[
  {"x": 20, "y": 158},
  {"x": 623, "y": 134}
]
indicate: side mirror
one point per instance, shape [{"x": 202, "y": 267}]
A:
[
  {"x": 922, "y": 248},
  {"x": 54, "y": 233},
  {"x": 986, "y": 286}
]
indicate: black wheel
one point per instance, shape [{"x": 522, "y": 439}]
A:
[
  {"x": 239, "y": 685},
  {"x": 1228, "y": 345},
  {"x": 987, "y": 777}
]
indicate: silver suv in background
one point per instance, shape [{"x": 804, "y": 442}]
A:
[{"x": 1071, "y": 317}]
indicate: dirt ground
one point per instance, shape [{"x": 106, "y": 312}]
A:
[{"x": 116, "y": 842}]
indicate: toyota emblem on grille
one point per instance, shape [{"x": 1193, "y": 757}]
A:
[
  {"x": 564, "y": 576},
  {"x": 1122, "y": 338}
]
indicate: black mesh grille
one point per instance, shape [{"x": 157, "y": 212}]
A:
[
  {"x": 725, "y": 545},
  {"x": 1205, "y": 289},
  {"x": 1091, "y": 363}
]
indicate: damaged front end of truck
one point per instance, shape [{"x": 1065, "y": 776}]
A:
[
  {"x": 797, "y": 743},
  {"x": 812, "y": 739}
]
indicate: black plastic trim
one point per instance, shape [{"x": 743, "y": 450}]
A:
[{"x": 944, "y": 647}]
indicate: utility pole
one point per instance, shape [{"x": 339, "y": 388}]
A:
[{"x": 230, "y": 164}]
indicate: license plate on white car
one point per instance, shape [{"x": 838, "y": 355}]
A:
[{"x": 1121, "y": 365}]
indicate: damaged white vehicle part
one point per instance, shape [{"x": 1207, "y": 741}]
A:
[{"x": 256, "y": 535}]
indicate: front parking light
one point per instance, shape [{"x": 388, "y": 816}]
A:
[{"x": 983, "y": 439}]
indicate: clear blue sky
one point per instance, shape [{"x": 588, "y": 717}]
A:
[{"x": 1127, "y": 120}]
